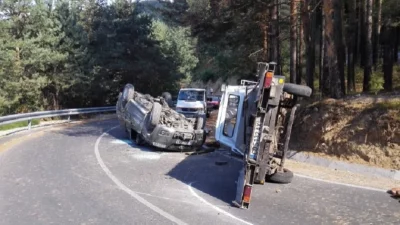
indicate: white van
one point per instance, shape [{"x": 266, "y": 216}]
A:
[{"x": 191, "y": 102}]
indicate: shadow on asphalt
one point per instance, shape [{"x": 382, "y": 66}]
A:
[{"x": 203, "y": 173}]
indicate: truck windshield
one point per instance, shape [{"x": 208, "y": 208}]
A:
[{"x": 191, "y": 95}]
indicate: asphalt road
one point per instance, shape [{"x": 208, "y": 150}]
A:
[{"x": 81, "y": 175}]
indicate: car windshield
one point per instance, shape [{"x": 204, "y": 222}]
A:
[{"x": 191, "y": 95}]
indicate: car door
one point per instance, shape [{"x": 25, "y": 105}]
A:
[{"x": 229, "y": 127}]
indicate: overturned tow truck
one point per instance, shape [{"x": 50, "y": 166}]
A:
[
  {"x": 255, "y": 121},
  {"x": 150, "y": 120}
]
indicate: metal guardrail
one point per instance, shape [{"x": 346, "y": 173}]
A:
[{"x": 52, "y": 113}]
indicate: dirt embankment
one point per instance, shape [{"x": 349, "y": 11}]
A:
[{"x": 363, "y": 130}]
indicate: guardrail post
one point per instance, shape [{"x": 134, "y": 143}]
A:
[
  {"x": 29, "y": 124},
  {"x": 69, "y": 118}
]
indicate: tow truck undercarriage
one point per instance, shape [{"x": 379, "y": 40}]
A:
[{"x": 255, "y": 122}]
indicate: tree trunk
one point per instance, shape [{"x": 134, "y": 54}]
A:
[
  {"x": 264, "y": 30},
  {"x": 331, "y": 80},
  {"x": 388, "y": 44},
  {"x": 293, "y": 39},
  {"x": 300, "y": 49},
  {"x": 368, "y": 48},
  {"x": 396, "y": 35},
  {"x": 363, "y": 34},
  {"x": 321, "y": 49},
  {"x": 274, "y": 42},
  {"x": 358, "y": 32},
  {"x": 338, "y": 23},
  {"x": 309, "y": 27},
  {"x": 375, "y": 32},
  {"x": 351, "y": 39}
]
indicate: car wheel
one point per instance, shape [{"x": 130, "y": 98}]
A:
[
  {"x": 200, "y": 123},
  {"x": 283, "y": 177},
  {"x": 139, "y": 140},
  {"x": 155, "y": 114},
  {"x": 168, "y": 98},
  {"x": 129, "y": 92}
]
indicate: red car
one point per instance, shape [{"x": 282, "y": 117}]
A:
[{"x": 213, "y": 102}]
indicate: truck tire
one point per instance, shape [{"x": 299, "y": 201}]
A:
[
  {"x": 284, "y": 177},
  {"x": 168, "y": 98},
  {"x": 296, "y": 89},
  {"x": 155, "y": 114}
]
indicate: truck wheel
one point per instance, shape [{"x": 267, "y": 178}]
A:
[
  {"x": 155, "y": 114},
  {"x": 296, "y": 89},
  {"x": 200, "y": 123},
  {"x": 284, "y": 177},
  {"x": 168, "y": 98}
]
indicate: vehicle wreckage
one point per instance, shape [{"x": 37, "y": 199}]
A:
[
  {"x": 152, "y": 121},
  {"x": 255, "y": 121}
]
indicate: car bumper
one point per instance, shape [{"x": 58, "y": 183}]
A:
[{"x": 171, "y": 139}]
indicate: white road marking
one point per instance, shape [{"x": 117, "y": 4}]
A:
[
  {"x": 215, "y": 207},
  {"x": 317, "y": 179},
  {"x": 343, "y": 184},
  {"x": 143, "y": 156},
  {"x": 126, "y": 189},
  {"x": 121, "y": 141}
]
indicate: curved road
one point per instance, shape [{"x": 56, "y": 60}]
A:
[{"x": 89, "y": 174}]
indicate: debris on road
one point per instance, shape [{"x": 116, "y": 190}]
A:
[
  {"x": 221, "y": 163},
  {"x": 202, "y": 151},
  {"x": 395, "y": 192}
]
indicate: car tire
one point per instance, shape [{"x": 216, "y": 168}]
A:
[
  {"x": 200, "y": 123},
  {"x": 168, "y": 98},
  {"x": 155, "y": 114},
  {"x": 139, "y": 140},
  {"x": 128, "y": 93},
  {"x": 284, "y": 177},
  {"x": 298, "y": 90}
]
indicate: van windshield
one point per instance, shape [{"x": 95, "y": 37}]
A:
[{"x": 191, "y": 95}]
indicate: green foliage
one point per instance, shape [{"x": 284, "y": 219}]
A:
[
  {"x": 18, "y": 124},
  {"x": 376, "y": 82},
  {"x": 176, "y": 44},
  {"x": 390, "y": 105},
  {"x": 80, "y": 53}
]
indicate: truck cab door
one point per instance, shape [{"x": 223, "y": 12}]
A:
[{"x": 228, "y": 130}]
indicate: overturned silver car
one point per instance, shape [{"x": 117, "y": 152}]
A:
[{"x": 150, "y": 120}]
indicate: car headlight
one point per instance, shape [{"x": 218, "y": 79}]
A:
[{"x": 164, "y": 133}]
